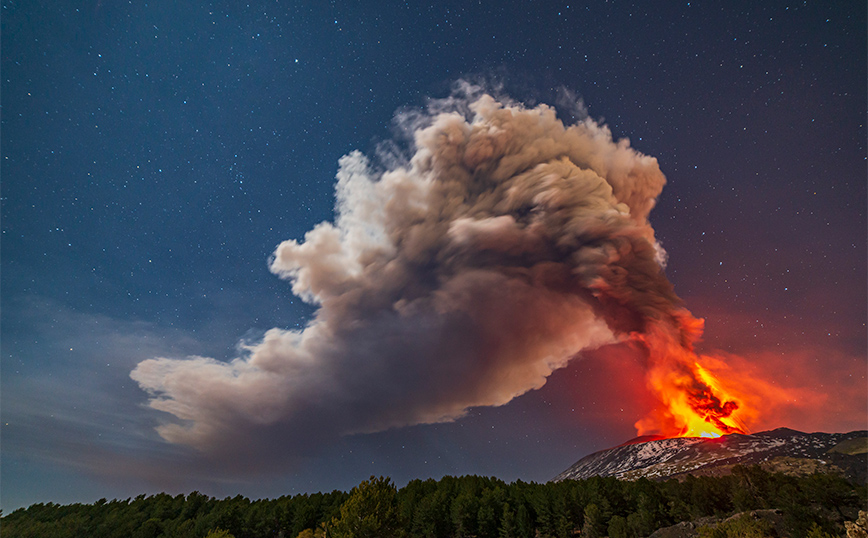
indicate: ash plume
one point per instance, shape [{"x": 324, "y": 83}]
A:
[{"x": 463, "y": 276}]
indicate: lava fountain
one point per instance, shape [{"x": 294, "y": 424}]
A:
[{"x": 693, "y": 401}]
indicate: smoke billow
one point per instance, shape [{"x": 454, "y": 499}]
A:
[{"x": 463, "y": 276}]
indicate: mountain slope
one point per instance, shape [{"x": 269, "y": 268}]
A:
[{"x": 782, "y": 450}]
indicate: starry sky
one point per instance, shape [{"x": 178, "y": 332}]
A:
[{"x": 155, "y": 153}]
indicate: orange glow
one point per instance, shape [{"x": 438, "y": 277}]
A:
[{"x": 693, "y": 400}]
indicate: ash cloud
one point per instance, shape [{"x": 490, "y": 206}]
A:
[{"x": 461, "y": 276}]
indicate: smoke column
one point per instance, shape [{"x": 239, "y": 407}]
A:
[{"x": 460, "y": 276}]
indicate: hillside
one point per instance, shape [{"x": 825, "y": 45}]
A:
[{"x": 780, "y": 450}]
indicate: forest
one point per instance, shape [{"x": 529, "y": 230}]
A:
[{"x": 468, "y": 506}]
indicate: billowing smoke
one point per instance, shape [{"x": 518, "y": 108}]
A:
[{"x": 462, "y": 276}]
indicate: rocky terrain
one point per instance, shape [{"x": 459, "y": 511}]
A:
[{"x": 783, "y": 450}]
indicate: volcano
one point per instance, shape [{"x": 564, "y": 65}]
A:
[{"x": 780, "y": 450}]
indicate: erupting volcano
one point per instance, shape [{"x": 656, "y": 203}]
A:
[
  {"x": 462, "y": 273},
  {"x": 694, "y": 403}
]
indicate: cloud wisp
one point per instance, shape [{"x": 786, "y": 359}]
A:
[{"x": 461, "y": 276}]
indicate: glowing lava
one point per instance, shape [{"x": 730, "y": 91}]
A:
[
  {"x": 700, "y": 403},
  {"x": 693, "y": 401}
]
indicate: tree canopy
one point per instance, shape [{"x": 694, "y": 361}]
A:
[{"x": 468, "y": 506}]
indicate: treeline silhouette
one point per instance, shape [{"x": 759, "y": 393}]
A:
[{"x": 468, "y": 506}]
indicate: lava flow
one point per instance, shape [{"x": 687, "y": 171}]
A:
[{"x": 693, "y": 401}]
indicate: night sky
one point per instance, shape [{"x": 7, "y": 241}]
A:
[{"x": 154, "y": 154}]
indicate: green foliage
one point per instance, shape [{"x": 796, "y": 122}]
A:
[
  {"x": 817, "y": 532},
  {"x": 370, "y": 512},
  {"x": 743, "y": 526},
  {"x": 320, "y": 532},
  {"x": 466, "y": 506},
  {"x": 596, "y": 522},
  {"x": 219, "y": 533},
  {"x": 618, "y": 528}
]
